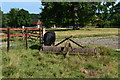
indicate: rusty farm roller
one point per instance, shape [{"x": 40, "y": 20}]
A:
[{"x": 68, "y": 49}]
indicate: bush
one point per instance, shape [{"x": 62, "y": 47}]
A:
[
  {"x": 104, "y": 51},
  {"x": 36, "y": 46}
]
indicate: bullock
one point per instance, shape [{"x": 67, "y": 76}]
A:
[{"x": 49, "y": 38}]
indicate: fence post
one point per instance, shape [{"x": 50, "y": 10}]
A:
[
  {"x": 23, "y": 27},
  {"x": 8, "y": 39},
  {"x": 26, "y": 37},
  {"x": 38, "y": 26},
  {"x": 40, "y": 35},
  {"x": 43, "y": 29}
]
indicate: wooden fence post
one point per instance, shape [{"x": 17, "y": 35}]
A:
[
  {"x": 40, "y": 35},
  {"x": 23, "y": 27},
  {"x": 8, "y": 39},
  {"x": 43, "y": 31},
  {"x": 26, "y": 37}
]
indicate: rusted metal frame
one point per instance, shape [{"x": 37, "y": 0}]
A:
[
  {"x": 76, "y": 43},
  {"x": 8, "y": 39},
  {"x": 63, "y": 41}
]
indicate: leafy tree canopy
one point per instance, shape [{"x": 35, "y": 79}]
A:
[
  {"x": 19, "y": 17},
  {"x": 76, "y": 14}
]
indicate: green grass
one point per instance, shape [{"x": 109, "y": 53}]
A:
[
  {"x": 2, "y": 33},
  {"x": 30, "y": 63},
  {"x": 86, "y": 32}
]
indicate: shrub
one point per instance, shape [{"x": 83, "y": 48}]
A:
[
  {"x": 36, "y": 46},
  {"x": 103, "y": 50}
]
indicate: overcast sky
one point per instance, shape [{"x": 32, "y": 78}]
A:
[{"x": 33, "y": 6}]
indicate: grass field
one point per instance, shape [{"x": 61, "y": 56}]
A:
[
  {"x": 29, "y": 63},
  {"x": 88, "y": 32},
  {"x": 32, "y": 63}
]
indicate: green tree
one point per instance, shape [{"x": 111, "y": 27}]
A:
[
  {"x": 5, "y": 20},
  {"x": 51, "y": 14},
  {"x": 75, "y": 13},
  {"x": 23, "y": 18},
  {"x": 68, "y": 13},
  {"x": 1, "y": 13},
  {"x": 35, "y": 16},
  {"x": 115, "y": 17},
  {"x": 86, "y": 13},
  {"x": 19, "y": 17},
  {"x": 12, "y": 16},
  {"x": 104, "y": 10}
]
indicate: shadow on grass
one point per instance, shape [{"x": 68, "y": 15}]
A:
[{"x": 36, "y": 46}]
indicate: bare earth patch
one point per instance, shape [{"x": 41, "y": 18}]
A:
[{"x": 108, "y": 41}]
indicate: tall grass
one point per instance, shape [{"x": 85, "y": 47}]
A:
[{"x": 21, "y": 63}]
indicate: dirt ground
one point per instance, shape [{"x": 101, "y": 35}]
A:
[{"x": 107, "y": 41}]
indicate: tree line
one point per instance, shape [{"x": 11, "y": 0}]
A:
[
  {"x": 63, "y": 14},
  {"x": 18, "y": 18},
  {"x": 81, "y": 14}
]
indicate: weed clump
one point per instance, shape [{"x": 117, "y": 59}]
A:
[
  {"x": 35, "y": 46},
  {"x": 104, "y": 51}
]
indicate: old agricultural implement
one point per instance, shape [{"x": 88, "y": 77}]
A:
[{"x": 68, "y": 49}]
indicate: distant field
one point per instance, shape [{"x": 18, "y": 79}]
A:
[{"x": 87, "y": 32}]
